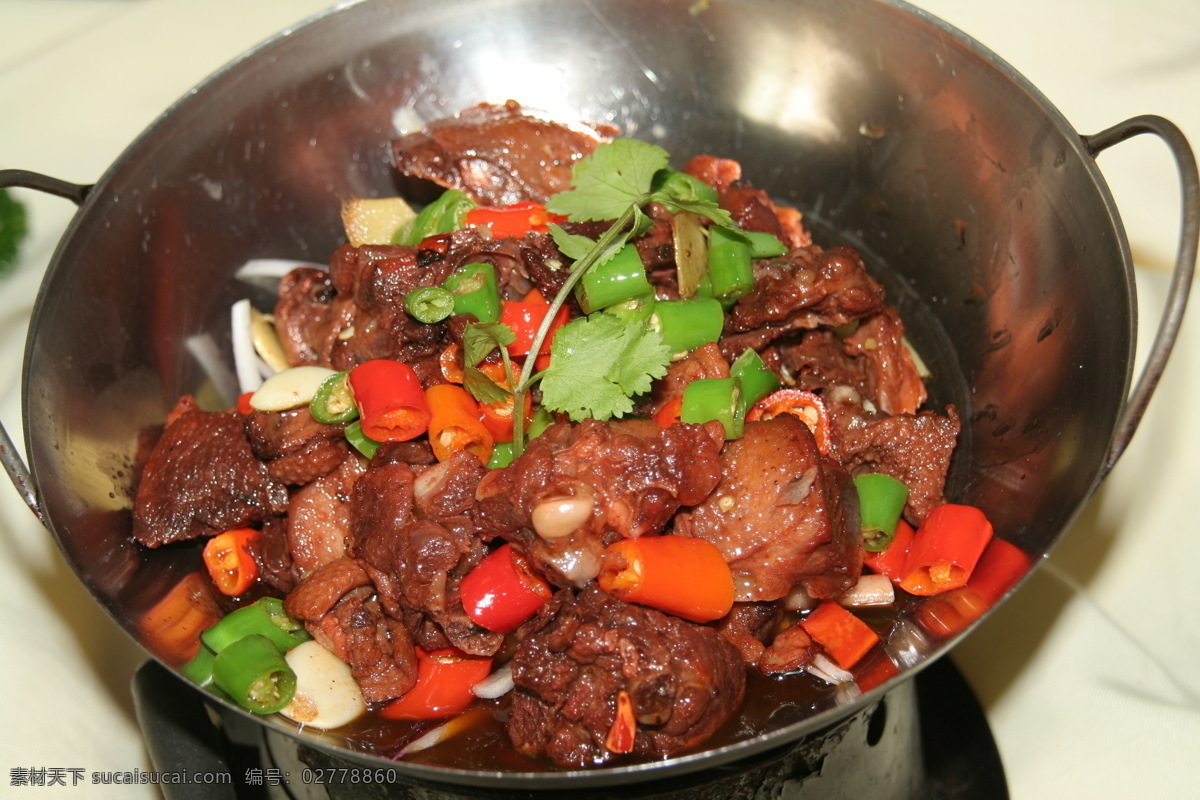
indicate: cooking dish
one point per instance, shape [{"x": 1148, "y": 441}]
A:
[{"x": 963, "y": 181}]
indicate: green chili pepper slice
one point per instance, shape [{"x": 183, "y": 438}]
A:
[
  {"x": 264, "y": 617},
  {"x": 199, "y": 669},
  {"x": 333, "y": 403},
  {"x": 715, "y": 398},
  {"x": 447, "y": 213},
  {"x": 254, "y": 673},
  {"x": 688, "y": 324},
  {"x": 729, "y": 265},
  {"x": 757, "y": 379},
  {"x": 429, "y": 304},
  {"x": 881, "y": 499},
  {"x": 503, "y": 454},
  {"x": 475, "y": 291},
  {"x": 360, "y": 441},
  {"x": 621, "y": 278},
  {"x": 764, "y": 245}
]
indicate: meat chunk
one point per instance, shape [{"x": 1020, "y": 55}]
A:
[
  {"x": 683, "y": 680},
  {"x": 296, "y": 448},
  {"x": 913, "y": 448},
  {"x": 629, "y": 476},
  {"x": 808, "y": 288},
  {"x": 321, "y": 591},
  {"x": 497, "y": 154},
  {"x": 416, "y": 561},
  {"x": 319, "y": 523},
  {"x": 873, "y": 360},
  {"x": 378, "y": 648},
  {"x": 203, "y": 478},
  {"x": 778, "y": 515}
]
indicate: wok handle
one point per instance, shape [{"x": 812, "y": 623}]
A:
[
  {"x": 9, "y": 457},
  {"x": 1181, "y": 276}
]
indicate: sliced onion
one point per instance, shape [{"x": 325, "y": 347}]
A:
[
  {"x": 498, "y": 684},
  {"x": 272, "y": 268},
  {"x": 823, "y": 667},
  {"x": 871, "y": 590},
  {"x": 446, "y": 730},
  {"x": 245, "y": 359}
]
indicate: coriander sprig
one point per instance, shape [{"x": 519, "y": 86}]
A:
[{"x": 615, "y": 182}]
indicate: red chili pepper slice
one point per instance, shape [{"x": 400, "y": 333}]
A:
[
  {"x": 454, "y": 423},
  {"x": 891, "y": 560},
  {"x": 229, "y": 558},
  {"x": 668, "y": 415},
  {"x": 623, "y": 732},
  {"x": 806, "y": 406},
  {"x": 443, "y": 687},
  {"x": 498, "y": 417},
  {"x": 502, "y": 591},
  {"x": 845, "y": 637},
  {"x": 243, "y": 403},
  {"x": 945, "y": 549},
  {"x": 391, "y": 402},
  {"x": 517, "y": 219},
  {"x": 681, "y": 575},
  {"x": 524, "y": 317},
  {"x": 1000, "y": 567},
  {"x": 450, "y": 362}
]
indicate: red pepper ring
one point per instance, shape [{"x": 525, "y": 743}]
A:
[
  {"x": 229, "y": 559},
  {"x": 390, "y": 400},
  {"x": 502, "y": 591},
  {"x": 945, "y": 549},
  {"x": 443, "y": 688},
  {"x": 806, "y": 406},
  {"x": 517, "y": 219},
  {"x": 524, "y": 317}
]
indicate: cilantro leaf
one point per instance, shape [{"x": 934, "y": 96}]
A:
[
  {"x": 607, "y": 182},
  {"x": 482, "y": 387},
  {"x": 481, "y": 338},
  {"x": 598, "y": 364}
]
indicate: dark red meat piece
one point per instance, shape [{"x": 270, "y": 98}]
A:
[
  {"x": 497, "y": 154},
  {"x": 635, "y": 474},
  {"x": 202, "y": 478},
  {"x": 778, "y": 515},
  {"x": 684, "y": 680}
]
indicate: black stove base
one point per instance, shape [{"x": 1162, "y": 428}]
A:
[{"x": 925, "y": 739}]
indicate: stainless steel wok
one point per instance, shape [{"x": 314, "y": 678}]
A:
[{"x": 980, "y": 207}]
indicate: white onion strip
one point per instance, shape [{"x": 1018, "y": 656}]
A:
[
  {"x": 246, "y": 363},
  {"x": 446, "y": 730},
  {"x": 823, "y": 667},
  {"x": 272, "y": 268},
  {"x": 498, "y": 684}
]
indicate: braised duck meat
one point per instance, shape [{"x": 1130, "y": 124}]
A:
[
  {"x": 497, "y": 154},
  {"x": 808, "y": 288},
  {"x": 585, "y": 652},
  {"x": 296, "y": 448},
  {"x": 779, "y": 514},
  {"x": 201, "y": 478},
  {"x": 579, "y": 487}
]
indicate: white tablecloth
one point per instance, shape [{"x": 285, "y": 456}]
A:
[{"x": 1090, "y": 676}]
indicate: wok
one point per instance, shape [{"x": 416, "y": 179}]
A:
[{"x": 983, "y": 210}]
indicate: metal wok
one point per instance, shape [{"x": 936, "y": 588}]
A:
[{"x": 982, "y": 206}]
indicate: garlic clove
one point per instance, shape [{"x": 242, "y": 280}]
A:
[
  {"x": 326, "y": 694},
  {"x": 291, "y": 388}
]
